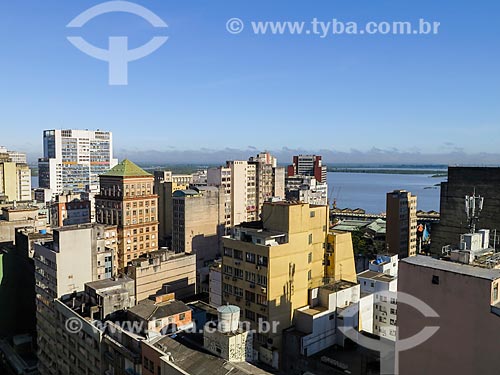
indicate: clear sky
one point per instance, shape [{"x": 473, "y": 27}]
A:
[{"x": 207, "y": 88}]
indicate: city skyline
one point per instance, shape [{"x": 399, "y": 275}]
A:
[{"x": 205, "y": 80}]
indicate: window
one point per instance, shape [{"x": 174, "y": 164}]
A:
[
  {"x": 228, "y": 252},
  {"x": 331, "y": 317},
  {"x": 312, "y": 214},
  {"x": 250, "y": 276},
  {"x": 238, "y": 273},
  {"x": 393, "y": 311},
  {"x": 309, "y": 275},
  {"x": 495, "y": 292},
  {"x": 228, "y": 270},
  {"x": 393, "y": 322},
  {"x": 238, "y": 254},
  {"x": 250, "y": 257},
  {"x": 435, "y": 280},
  {"x": 238, "y": 292},
  {"x": 262, "y": 260},
  {"x": 261, "y": 280},
  {"x": 228, "y": 288},
  {"x": 249, "y": 296},
  {"x": 310, "y": 258},
  {"x": 250, "y": 315},
  {"x": 310, "y": 238},
  {"x": 261, "y": 300}
]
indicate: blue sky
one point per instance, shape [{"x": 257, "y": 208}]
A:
[{"x": 206, "y": 88}]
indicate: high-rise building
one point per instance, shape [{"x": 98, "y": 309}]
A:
[
  {"x": 198, "y": 223},
  {"x": 269, "y": 267},
  {"x": 15, "y": 176},
  {"x": 165, "y": 185},
  {"x": 401, "y": 237},
  {"x": 270, "y": 179},
  {"x": 127, "y": 200},
  {"x": 308, "y": 165},
  {"x": 77, "y": 254},
  {"x": 247, "y": 185},
  {"x": 74, "y": 159}
]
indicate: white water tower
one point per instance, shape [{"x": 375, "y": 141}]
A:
[{"x": 229, "y": 318}]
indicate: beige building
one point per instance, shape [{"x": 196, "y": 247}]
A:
[
  {"x": 270, "y": 179},
  {"x": 198, "y": 223},
  {"x": 269, "y": 267},
  {"x": 166, "y": 183},
  {"x": 401, "y": 233},
  {"x": 467, "y": 302},
  {"x": 247, "y": 185},
  {"x": 339, "y": 259},
  {"x": 20, "y": 216},
  {"x": 127, "y": 201},
  {"x": 163, "y": 271},
  {"x": 237, "y": 181},
  {"x": 15, "y": 178},
  {"x": 62, "y": 267}
]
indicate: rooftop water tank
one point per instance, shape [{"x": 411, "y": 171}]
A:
[{"x": 229, "y": 318}]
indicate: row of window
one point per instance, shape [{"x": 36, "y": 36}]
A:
[{"x": 260, "y": 260}]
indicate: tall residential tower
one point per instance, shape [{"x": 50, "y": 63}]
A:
[{"x": 74, "y": 159}]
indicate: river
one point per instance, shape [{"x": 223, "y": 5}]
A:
[{"x": 368, "y": 190}]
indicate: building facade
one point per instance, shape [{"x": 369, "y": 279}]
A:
[
  {"x": 69, "y": 209},
  {"x": 74, "y": 159},
  {"x": 308, "y": 165},
  {"x": 198, "y": 223},
  {"x": 126, "y": 200},
  {"x": 269, "y": 267},
  {"x": 401, "y": 223},
  {"x": 15, "y": 177},
  {"x": 467, "y": 302},
  {"x": 163, "y": 271}
]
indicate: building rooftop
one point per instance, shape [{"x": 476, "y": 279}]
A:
[
  {"x": 448, "y": 266},
  {"x": 127, "y": 169},
  {"x": 108, "y": 283},
  {"x": 338, "y": 285},
  {"x": 378, "y": 276},
  {"x": 196, "y": 361},
  {"x": 148, "y": 309}
]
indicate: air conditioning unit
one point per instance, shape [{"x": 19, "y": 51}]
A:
[
  {"x": 235, "y": 279},
  {"x": 227, "y": 277},
  {"x": 237, "y": 262},
  {"x": 252, "y": 286},
  {"x": 258, "y": 267},
  {"x": 263, "y": 290}
]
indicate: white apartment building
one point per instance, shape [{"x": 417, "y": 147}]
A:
[
  {"x": 74, "y": 159},
  {"x": 381, "y": 281}
]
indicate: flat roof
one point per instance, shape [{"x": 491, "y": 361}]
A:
[
  {"x": 448, "y": 266},
  {"x": 378, "y": 276}
]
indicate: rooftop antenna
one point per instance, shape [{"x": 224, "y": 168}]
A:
[{"x": 473, "y": 207}]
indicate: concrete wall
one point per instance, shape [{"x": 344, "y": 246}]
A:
[
  {"x": 461, "y": 182},
  {"x": 467, "y": 340}
]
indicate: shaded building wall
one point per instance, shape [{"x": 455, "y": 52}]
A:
[
  {"x": 462, "y": 181},
  {"x": 467, "y": 339}
]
